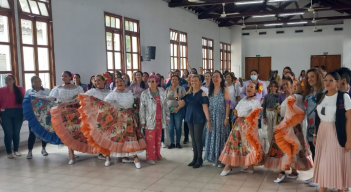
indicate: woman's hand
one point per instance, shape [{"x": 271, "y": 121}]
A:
[
  {"x": 265, "y": 121},
  {"x": 315, "y": 141},
  {"x": 175, "y": 110},
  {"x": 226, "y": 122},
  {"x": 181, "y": 103},
  {"x": 348, "y": 146},
  {"x": 209, "y": 126}
]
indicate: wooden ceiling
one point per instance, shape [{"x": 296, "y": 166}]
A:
[{"x": 212, "y": 9}]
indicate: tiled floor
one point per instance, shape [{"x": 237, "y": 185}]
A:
[{"x": 53, "y": 174}]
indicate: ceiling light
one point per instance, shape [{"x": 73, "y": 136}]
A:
[
  {"x": 257, "y": 16},
  {"x": 247, "y": 2},
  {"x": 297, "y": 23},
  {"x": 272, "y": 1},
  {"x": 273, "y": 24},
  {"x": 290, "y": 14}
]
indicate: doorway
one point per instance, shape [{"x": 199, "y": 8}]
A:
[
  {"x": 330, "y": 62},
  {"x": 262, "y": 64}
]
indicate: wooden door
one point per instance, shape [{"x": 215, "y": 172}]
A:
[
  {"x": 264, "y": 66},
  {"x": 250, "y": 64},
  {"x": 318, "y": 60},
  {"x": 333, "y": 62}
]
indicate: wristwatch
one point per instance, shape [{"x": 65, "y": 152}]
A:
[{"x": 227, "y": 117}]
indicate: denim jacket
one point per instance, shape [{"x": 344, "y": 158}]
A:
[{"x": 147, "y": 113}]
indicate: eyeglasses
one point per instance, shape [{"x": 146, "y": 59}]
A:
[
  {"x": 330, "y": 81},
  {"x": 151, "y": 81}
]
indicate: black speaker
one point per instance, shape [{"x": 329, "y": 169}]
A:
[{"x": 151, "y": 52}]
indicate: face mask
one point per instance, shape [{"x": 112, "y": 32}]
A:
[{"x": 254, "y": 77}]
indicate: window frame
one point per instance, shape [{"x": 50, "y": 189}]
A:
[
  {"x": 132, "y": 34},
  {"x": 225, "y": 54},
  {"x": 121, "y": 38},
  {"x": 179, "y": 50},
  {"x": 34, "y": 18},
  {"x": 205, "y": 52},
  {"x": 10, "y": 13}
]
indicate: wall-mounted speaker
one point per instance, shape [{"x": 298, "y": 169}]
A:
[{"x": 151, "y": 52}]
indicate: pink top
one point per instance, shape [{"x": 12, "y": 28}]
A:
[{"x": 8, "y": 99}]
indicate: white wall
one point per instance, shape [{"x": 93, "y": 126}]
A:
[
  {"x": 79, "y": 34},
  {"x": 292, "y": 49},
  {"x": 346, "y": 60},
  {"x": 236, "y": 50}
]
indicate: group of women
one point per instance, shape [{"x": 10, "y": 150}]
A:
[{"x": 221, "y": 113}]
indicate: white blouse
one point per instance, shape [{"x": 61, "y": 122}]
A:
[
  {"x": 299, "y": 103},
  {"x": 234, "y": 91},
  {"x": 123, "y": 100},
  {"x": 329, "y": 103},
  {"x": 40, "y": 93},
  {"x": 245, "y": 106},
  {"x": 65, "y": 94},
  {"x": 98, "y": 93}
]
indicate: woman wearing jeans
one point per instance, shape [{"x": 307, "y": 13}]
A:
[
  {"x": 173, "y": 93},
  {"x": 11, "y": 115},
  {"x": 197, "y": 115},
  {"x": 39, "y": 91}
]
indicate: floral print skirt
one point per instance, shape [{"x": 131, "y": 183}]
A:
[
  {"x": 303, "y": 159},
  {"x": 113, "y": 131},
  {"x": 243, "y": 147}
]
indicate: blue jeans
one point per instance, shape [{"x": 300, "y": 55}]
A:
[
  {"x": 11, "y": 122},
  {"x": 175, "y": 122}
]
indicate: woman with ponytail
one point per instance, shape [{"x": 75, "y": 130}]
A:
[{"x": 11, "y": 114}]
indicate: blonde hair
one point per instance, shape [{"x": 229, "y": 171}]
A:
[{"x": 191, "y": 87}]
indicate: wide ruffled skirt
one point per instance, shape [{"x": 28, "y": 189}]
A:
[
  {"x": 65, "y": 119},
  {"x": 333, "y": 163},
  {"x": 37, "y": 112},
  {"x": 243, "y": 147},
  {"x": 288, "y": 147},
  {"x": 113, "y": 131}
]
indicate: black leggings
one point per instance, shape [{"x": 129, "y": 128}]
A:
[
  {"x": 31, "y": 140},
  {"x": 196, "y": 131},
  {"x": 312, "y": 148}
]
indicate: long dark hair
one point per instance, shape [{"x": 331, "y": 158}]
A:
[
  {"x": 80, "y": 83},
  {"x": 288, "y": 68},
  {"x": 319, "y": 82},
  {"x": 210, "y": 92},
  {"x": 142, "y": 83},
  {"x": 273, "y": 83},
  {"x": 18, "y": 92},
  {"x": 186, "y": 75},
  {"x": 91, "y": 85},
  {"x": 32, "y": 79},
  {"x": 195, "y": 71}
]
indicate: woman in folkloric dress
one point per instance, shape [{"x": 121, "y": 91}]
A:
[
  {"x": 243, "y": 147},
  {"x": 65, "y": 118},
  {"x": 288, "y": 149},
  {"x": 111, "y": 126}
]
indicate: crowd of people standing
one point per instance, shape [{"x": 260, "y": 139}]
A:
[{"x": 306, "y": 120}]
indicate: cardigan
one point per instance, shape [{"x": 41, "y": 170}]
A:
[{"x": 340, "y": 118}]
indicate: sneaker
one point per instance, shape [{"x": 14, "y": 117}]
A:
[
  {"x": 107, "y": 163},
  {"x": 30, "y": 155},
  {"x": 171, "y": 146},
  {"x": 224, "y": 173},
  {"x": 313, "y": 184},
  {"x": 137, "y": 164},
  {"x": 214, "y": 165},
  {"x": 44, "y": 153},
  {"x": 101, "y": 157},
  {"x": 163, "y": 145},
  {"x": 17, "y": 154},
  {"x": 185, "y": 142},
  {"x": 10, "y": 156},
  {"x": 178, "y": 146},
  {"x": 280, "y": 180},
  {"x": 308, "y": 181},
  {"x": 151, "y": 162},
  {"x": 71, "y": 162}
]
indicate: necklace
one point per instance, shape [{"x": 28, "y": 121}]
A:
[{"x": 67, "y": 83}]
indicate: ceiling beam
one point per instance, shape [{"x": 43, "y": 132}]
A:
[
  {"x": 212, "y": 8},
  {"x": 189, "y": 4},
  {"x": 246, "y": 14},
  {"x": 293, "y": 20}
]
